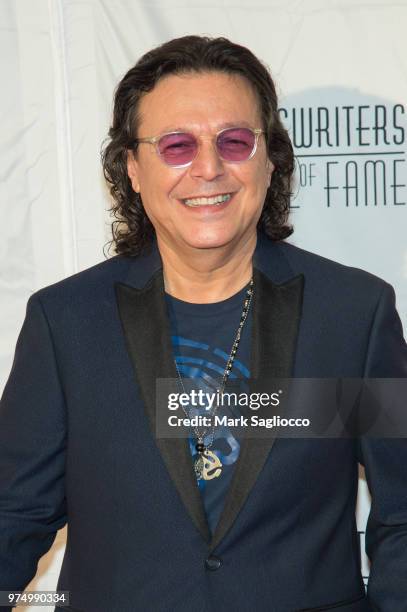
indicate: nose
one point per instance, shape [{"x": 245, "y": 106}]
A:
[{"x": 207, "y": 163}]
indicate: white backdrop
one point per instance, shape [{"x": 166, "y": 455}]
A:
[{"x": 341, "y": 71}]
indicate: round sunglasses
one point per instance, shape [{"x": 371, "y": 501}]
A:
[{"x": 179, "y": 149}]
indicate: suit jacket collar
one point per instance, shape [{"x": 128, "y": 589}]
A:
[{"x": 276, "y": 307}]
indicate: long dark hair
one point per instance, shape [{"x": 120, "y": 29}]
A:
[{"x": 132, "y": 230}]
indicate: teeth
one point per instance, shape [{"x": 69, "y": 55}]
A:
[{"x": 216, "y": 200}]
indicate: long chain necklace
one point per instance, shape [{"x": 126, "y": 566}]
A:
[{"x": 208, "y": 465}]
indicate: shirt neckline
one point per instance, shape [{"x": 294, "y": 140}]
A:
[{"x": 207, "y": 309}]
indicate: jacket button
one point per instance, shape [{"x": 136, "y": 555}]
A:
[{"x": 213, "y": 563}]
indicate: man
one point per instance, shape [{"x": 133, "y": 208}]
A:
[{"x": 203, "y": 285}]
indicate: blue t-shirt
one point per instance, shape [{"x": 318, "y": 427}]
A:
[{"x": 202, "y": 338}]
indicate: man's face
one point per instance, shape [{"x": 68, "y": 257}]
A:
[{"x": 201, "y": 104}]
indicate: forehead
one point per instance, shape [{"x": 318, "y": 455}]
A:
[{"x": 200, "y": 102}]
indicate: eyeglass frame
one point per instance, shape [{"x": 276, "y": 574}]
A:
[{"x": 155, "y": 139}]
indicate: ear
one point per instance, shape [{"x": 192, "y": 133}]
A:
[
  {"x": 270, "y": 170},
  {"x": 133, "y": 171}
]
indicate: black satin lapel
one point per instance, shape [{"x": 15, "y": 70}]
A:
[
  {"x": 276, "y": 317},
  {"x": 146, "y": 329}
]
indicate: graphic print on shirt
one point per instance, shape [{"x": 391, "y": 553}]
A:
[{"x": 207, "y": 366}]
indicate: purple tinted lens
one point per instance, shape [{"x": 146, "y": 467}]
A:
[
  {"x": 177, "y": 149},
  {"x": 236, "y": 144}
]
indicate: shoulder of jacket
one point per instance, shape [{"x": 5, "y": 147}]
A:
[
  {"x": 328, "y": 272},
  {"x": 90, "y": 281}
]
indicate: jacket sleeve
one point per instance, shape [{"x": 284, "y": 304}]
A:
[
  {"x": 385, "y": 461},
  {"x": 32, "y": 453}
]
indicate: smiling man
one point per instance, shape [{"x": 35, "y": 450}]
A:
[
  {"x": 203, "y": 286},
  {"x": 204, "y": 205}
]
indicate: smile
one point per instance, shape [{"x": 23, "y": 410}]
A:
[{"x": 211, "y": 201}]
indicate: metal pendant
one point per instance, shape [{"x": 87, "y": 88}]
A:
[
  {"x": 207, "y": 466},
  {"x": 198, "y": 466}
]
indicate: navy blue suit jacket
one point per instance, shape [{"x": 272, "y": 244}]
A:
[{"x": 77, "y": 447}]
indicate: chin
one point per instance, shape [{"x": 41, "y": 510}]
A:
[{"x": 210, "y": 239}]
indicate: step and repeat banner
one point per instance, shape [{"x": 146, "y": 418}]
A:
[{"x": 341, "y": 71}]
